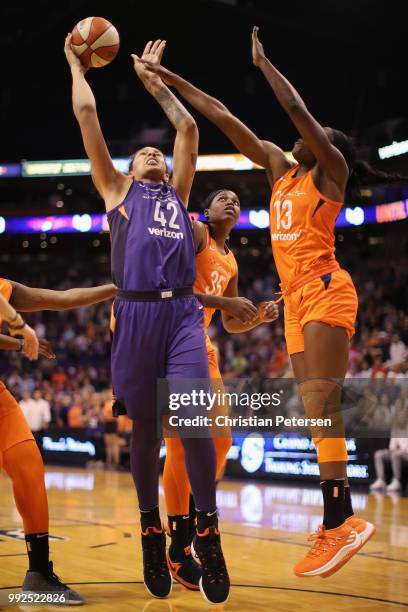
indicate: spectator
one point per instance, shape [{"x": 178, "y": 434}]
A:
[
  {"x": 74, "y": 417},
  {"x": 398, "y": 351},
  {"x": 59, "y": 378},
  {"x": 112, "y": 440},
  {"x": 36, "y": 411},
  {"x": 396, "y": 453}
]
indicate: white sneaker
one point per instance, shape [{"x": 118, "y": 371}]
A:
[
  {"x": 394, "y": 486},
  {"x": 377, "y": 485}
]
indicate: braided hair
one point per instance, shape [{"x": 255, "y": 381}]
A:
[{"x": 362, "y": 174}]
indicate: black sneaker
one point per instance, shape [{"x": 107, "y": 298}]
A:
[
  {"x": 183, "y": 568},
  {"x": 215, "y": 582},
  {"x": 156, "y": 574},
  {"x": 48, "y": 582}
]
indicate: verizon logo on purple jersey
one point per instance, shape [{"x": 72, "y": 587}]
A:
[{"x": 162, "y": 231}]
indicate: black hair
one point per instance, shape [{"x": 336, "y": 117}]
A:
[
  {"x": 362, "y": 174},
  {"x": 132, "y": 159},
  {"x": 209, "y": 199},
  {"x": 207, "y": 204}
]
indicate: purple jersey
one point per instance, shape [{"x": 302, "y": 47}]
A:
[{"x": 152, "y": 240}]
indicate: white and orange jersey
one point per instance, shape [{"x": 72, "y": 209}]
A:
[
  {"x": 214, "y": 272},
  {"x": 302, "y": 224}
]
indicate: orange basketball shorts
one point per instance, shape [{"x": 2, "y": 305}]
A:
[
  {"x": 330, "y": 299},
  {"x": 13, "y": 425}
]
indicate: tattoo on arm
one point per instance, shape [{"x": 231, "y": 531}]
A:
[{"x": 173, "y": 108}]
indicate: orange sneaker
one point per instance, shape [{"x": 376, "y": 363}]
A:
[
  {"x": 332, "y": 548},
  {"x": 184, "y": 570},
  {"x": 364, "y": 529}
]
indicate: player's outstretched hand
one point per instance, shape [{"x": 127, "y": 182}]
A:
[
  {"x": 166, "y": 76},
  {"x": 242, "y": 309},
  {"x": 152, "y": 54},
  {"x": 31, "y": 341},
  {"x": 72, "y": 59},
  {"x": 45, "y": 349},
  {"x": 268, "y": 312},
  {"x": 258, "y": 53}
]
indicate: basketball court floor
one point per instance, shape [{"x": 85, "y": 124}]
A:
[{"x": 264, "y": 528}]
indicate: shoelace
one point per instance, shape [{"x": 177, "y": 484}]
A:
[
  {"x": 155, "y": 562},
  {"x": 212, "y": 560},
  {"x": 323, "y": 541},
  {"x": 54, "y": 578}
]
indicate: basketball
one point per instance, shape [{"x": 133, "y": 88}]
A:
[{"x": 95, "y": 41}]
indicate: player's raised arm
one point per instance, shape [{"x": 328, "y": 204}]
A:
[
  {"x": 31, "y": 299},
  {"x": 108, "y": 181},
  {"x": 328, "y": 156},
  {"x": 186, "y": 142},
  {"x": 261, "y": 152}
]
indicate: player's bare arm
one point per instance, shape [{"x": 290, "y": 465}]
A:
[
  {"x": 8, "y": 343},
  {"x": 329, "y": 158},
  {"x": 18, "y": 327},
  {"x": 32, "y": 299},
  {"x": 110, "y": 183},
  {"x": 261, "y": 152},
  {"x": 186, "y": 142}
]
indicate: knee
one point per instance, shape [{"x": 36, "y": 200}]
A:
[
  {"x": 331, "y": 450},
  {"x": 320, "y": 397},
  {"x": 23, "y": 462}
]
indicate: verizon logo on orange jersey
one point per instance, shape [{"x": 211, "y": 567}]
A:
[{"x": 285, "y": 236}]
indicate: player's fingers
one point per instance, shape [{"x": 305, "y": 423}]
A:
[
  {"x": 30, "y": 351},
  {"x": 148, "y": 47},
  {"x": 251, "y": 308},
  {"x": 160, "y": 49},
  {"x": 46, "y": 353},
  {"x": 148, "y": 65},
  {"x": 251, "y": 315},
  {"x": 155, "y": 45},
  {"x": 46, "y": 349}
]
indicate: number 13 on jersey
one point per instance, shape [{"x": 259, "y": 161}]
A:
[{"x": 283, "y": 214}]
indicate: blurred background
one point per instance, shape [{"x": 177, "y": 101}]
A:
[{"x": 348, "y": 60}]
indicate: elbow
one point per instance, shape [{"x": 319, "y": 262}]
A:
[
  {"x": 83, "y": 111},
  {"x": 223, "y": 115},
  {"x": 295, "y": 107},
  {"x": 188, "y": 126}
]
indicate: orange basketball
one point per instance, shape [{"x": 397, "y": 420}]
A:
[{"x": 95, "y": 41}]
